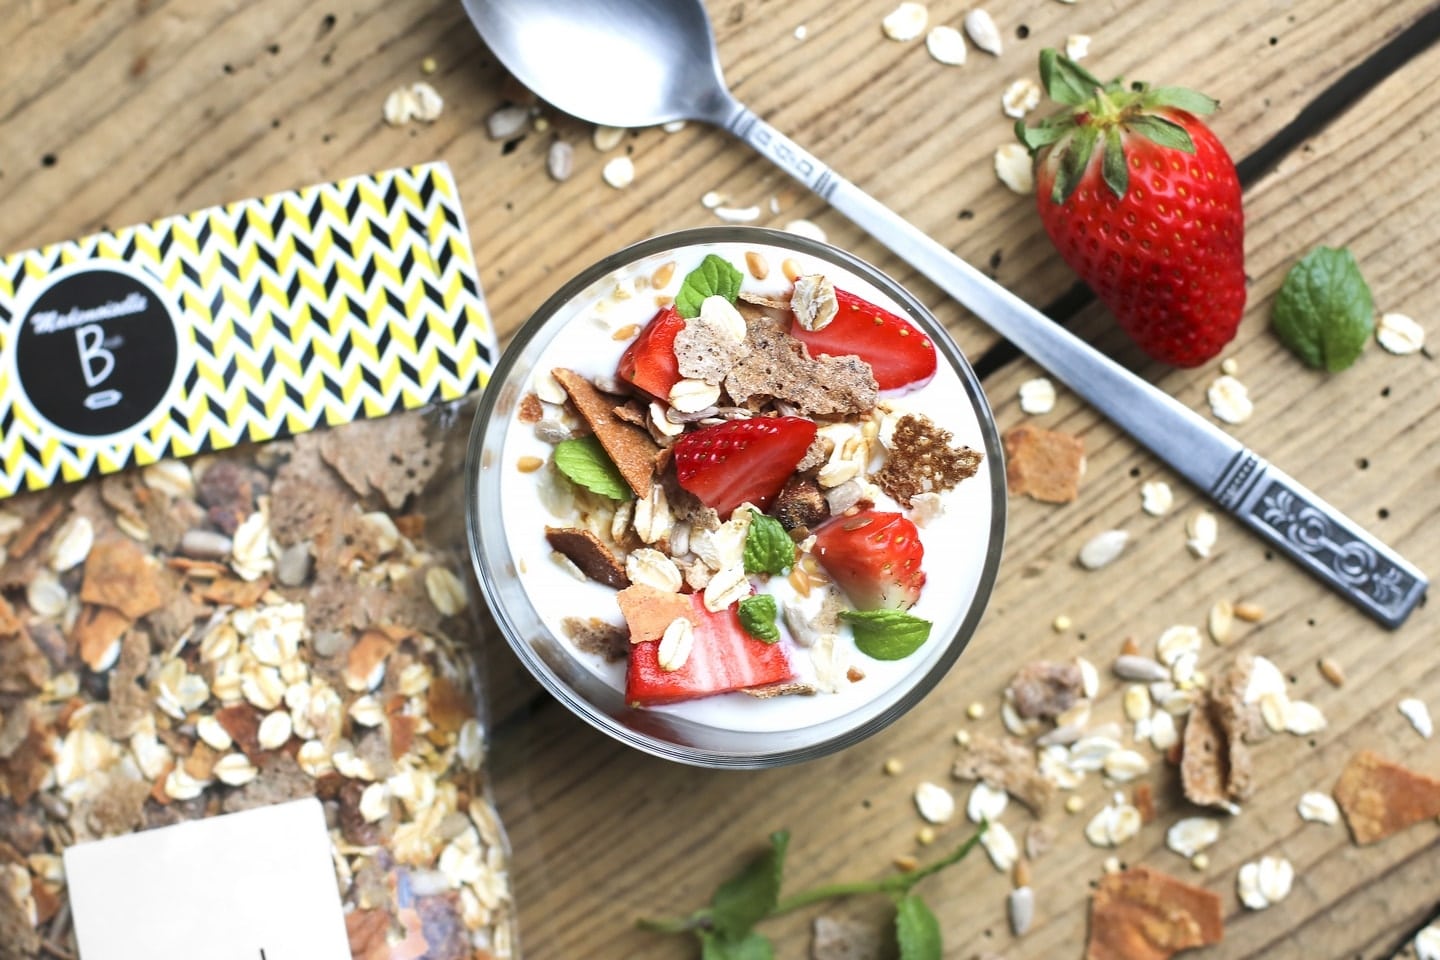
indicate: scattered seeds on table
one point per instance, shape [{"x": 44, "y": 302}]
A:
[
  {"x": 1089, "y": 678},
  {"x": 1136, "y": 702},
  {"x": 1102, "y": 549},
  {"x": 560, "y": 161},
  {"x": 905, "y": 22},
  {"x": 1265, "y": 882},
  {"x": 1303, "y": 718},
  {"x": 1201, "y": 529},
  {"x": 1331, "y": 670},
  {"x": 925, "y": 836},
  {"x": 1077, "y": 46},
  {"x": 946, "y": 45},
  {"x": 606, "y": 138},
  {"x": 1399, "y": 334},
  {"x": 1199, "y": 862},
  {"x": 1013, "y": 167},
  {"x": 1037, "y": 396},
  {"x": 935, "y": 803},
  {"x": 619, "y": 172},
  {"x": 985, "y": 803},
  {"x": 399, "y": 107},
  {"x": 1189, "y": 836},
  {"x": 738, "y": 214},
  {"x": 1156, "y": 498},
  {"x": 1163, "y": 732},
  {"x": 1114, "y": 824},
  {"x": 1317, "y": 807},
  {"x": 1230, "y": 400},
  {"x": 1021, "y": 908},
  {"x": 982, "y": 30},
  {"x": 711, "y": 200},
  {"x": 1249, "y": 612},
  {"x": 975, "y": 711},
  {"x": 428, "y": 102},
  {"x": 1418, "y": 714},
  {"x": 1265, "y": 679},
  {"x": 428, "y": 66},
  {"x": 1427, "y": 943},
  {"x": 674, "y": 126},
  {"x": 1020, "y": 98},
  {"x": 1061, "y": 623},
  {"x": 1230, "y": 366},
  {"x": 1139, "y": 669},
  {"x": 801, "y": 32},
  {"x": 1000, "y": 845},
  {"x": 1220, "y": 621},
  {"x": 893, "y": 766},
  {"x": 1122, "y": 766}
]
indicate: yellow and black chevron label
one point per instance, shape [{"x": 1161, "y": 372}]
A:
[{"x": 251, "y": 321}]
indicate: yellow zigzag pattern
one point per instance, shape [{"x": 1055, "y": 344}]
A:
[{"x": 338, "y": 301}]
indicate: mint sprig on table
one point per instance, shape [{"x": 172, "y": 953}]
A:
[
  {"x": 726, "y": 928},
  {"x": 1324, "y": 312},
  {"x": 715, "y": 277},
  {"x": 887, "y": 634},
  {"x": 585, "y": 462}
]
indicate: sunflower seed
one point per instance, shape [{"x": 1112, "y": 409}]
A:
[
  {"x": 560, "y": 161},
  {"x": 946, "y": 45},
  {"x": 1419, "y": 716},
  {"x": 506, "y": 122},
  {"x": 982, "y": 30},
  {"x": 1021, "y": 908},
  {"x": 1102, "y": 549},
  {"x": 1139, "y": 669}
]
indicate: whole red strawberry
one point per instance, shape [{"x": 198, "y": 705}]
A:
[{"x": 1142, "y": 201}]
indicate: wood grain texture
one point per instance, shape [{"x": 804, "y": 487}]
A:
[{"x": 121, "y": 112}]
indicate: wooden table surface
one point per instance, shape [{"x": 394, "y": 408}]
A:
[{"x": 120, "y": 112}]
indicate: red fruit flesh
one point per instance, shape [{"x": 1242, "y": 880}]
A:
[
  {"x": 875, "y": 557},
  {"x": 1169, "y": 258},
  {"x": 724, "y": 658},
  {"x": 898, "y": 353},
  {"x": 649, "y": 362},
  {"x": 730, "y": 463}
]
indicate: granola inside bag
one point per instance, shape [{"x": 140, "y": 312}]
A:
[{"x": 269, "y": 623}]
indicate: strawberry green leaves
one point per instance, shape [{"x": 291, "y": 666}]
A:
[
  {"x": 1065, "y": 81},
  {"x": 887, "y": 634},
  {"x": 715, "y": 277},
  {"x": 726, "y": 928},
  {"x": 1179, "y": 98},
  {"x": 757, "y": 615},
  {"x": 1324, "y": 312},
  {"x": 585, "y": 463}
]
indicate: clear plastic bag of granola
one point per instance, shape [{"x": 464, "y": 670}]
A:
[{"x": 272, "y": 622}]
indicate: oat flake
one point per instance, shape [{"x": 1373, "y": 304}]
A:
[
  {"x": 982, "y": 30},
  {"x": 1020, "y": 98},
  {"x": 1189, "y": 836},
  {"x": 1317, "y": 807},
  {"x": 1156, "y": 498},
  {"x": 1230, "y": 400},
  {"x": 935, "y": 803},
  {"x": 805, "y": 228},
  {"x": 619, "y": 172},
  {"x": 905, "y": 22},
  {"x": 1102, "y": 549},
  {"x": 985, "y": 803},
  {"x": 1427, "y": 943},
  {"x": 1037, "y": 396},
  {"x": 1013, "y": 167},
  {"x": 1077, "y": 45},
  {"x": 1399, "y": 334},
  {"x": 1000, "y": 845}
]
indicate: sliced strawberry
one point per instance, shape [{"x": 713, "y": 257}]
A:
[
  {"x": 898, "y": 353},
  {"x": 730, "y": 463},
  {"x": 875, "y": 558},
  {"x": 649, "y": 362},
  {"x": 723, "y": 658}
]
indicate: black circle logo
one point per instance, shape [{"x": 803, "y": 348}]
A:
[{"x": 96, "y": 352}]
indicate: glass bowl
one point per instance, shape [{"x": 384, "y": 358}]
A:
[{"x": 586, "y": 324}]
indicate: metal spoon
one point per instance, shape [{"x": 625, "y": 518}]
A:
[{"x": 636, "y": 63}]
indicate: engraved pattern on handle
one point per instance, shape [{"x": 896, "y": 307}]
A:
[{"x": 783, "y": 152}]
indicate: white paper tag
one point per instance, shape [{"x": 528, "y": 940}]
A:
[{"x": 257, "y": 885}]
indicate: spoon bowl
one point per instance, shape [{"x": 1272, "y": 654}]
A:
[
  {"x": 626, "y": 63},
  {"x": 629, "y": 63}
]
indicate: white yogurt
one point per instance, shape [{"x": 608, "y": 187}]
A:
[{"x": 582, "y": 338}]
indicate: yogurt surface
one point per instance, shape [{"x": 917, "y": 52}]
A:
[{"x": 588, "y": 335}]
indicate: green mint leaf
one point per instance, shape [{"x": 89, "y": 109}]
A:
[
  {"x": 757, "y": 616},
  {"x": 1324, "y": 312},
  {"x": 715, "y": 277},
  {"x": 585, "y": 462},
  {"x": 749, "y": 896},
  {"x": 1114, "y": 168},
  {"x": 1065, "y": 80},
  {"x": 1167, "y": 133},
  {"x": 1180, "y": 98},
  {"x": 768, "y": 548},
  {"x": 887, "y": 634},
  {"x": 753, "y": 946},
  {"x": 917, "y": 930}
]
